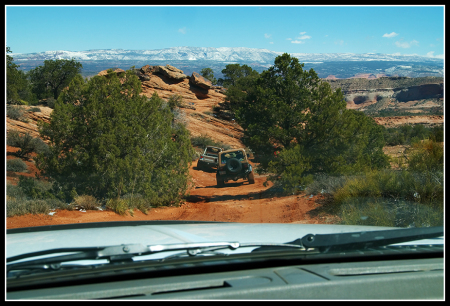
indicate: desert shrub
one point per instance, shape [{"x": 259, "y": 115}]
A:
[
  {"x": 86, "y": 202},
  {"x": 118, "y": 205},
  {"x": 427, "y": 156},
  {"x": 35, "y": 189},
  {"x": 15, "y": 112},
  {"x": 137, "y": 201},
  {"x": 196, "y": 155},
  {"x": 363, "y": 211},
  {"x": 21, "y": 206},
  {"x": 420, "y": 187},
  {"x": 16, "y": 165},
  {"x": 12, "y": 138},
  {"x": 203, "y": 141},
  {"x": 18, "y": 202},
  {"x": 324, "y": 183},
  {"x": 408, "y": 134},
  {"x": 128, "y": 203},
  {"x": 358, "y": 186},
  {"x": 40, "y": 147},
  {"x": 26, "y": 143},
  {"x": 35, "y": 110},
  {"x": 175, "y": 101},
  {"x": 390, "y": 212},
  {"x": 437, "y": 133},
  {"x": 14, "y": 191}
]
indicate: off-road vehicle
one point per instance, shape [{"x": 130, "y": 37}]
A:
[
  {"x": 209, "y": 158},
  {"x": 234, "y": 165}
]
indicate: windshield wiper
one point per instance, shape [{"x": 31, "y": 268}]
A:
[
  {"x": 122, "y": 253},
  {"x": 322, "y": 243},
  {"x": 366, "y": 239}
]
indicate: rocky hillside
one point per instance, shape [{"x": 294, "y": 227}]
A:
[
  {"x": 200, "y": 99},
  {"x": 205, "y": 113}
]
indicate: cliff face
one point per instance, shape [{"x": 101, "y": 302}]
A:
[
  {"x": 389, "y": 92},
  {"x": 425, "y": 91}
]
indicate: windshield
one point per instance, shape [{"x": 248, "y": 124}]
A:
[{"x": 109, "y": 113}]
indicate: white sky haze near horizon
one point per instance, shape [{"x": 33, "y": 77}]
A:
[{"x": 403, "y": 30}]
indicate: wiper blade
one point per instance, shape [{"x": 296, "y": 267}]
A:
[
  {"x": 366, "y": 239},
  {"x": 121, "y": 253}
]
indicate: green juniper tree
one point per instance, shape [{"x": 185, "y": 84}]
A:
[
  {"x": 107, "y": 140},
  {"x": 51, "y": 78},
  {"x": 290, "y": 110},
  {"x": 208, "y": 74},
  {"x": 17, "y": 85},
  {"x": 233, "y": 72}
]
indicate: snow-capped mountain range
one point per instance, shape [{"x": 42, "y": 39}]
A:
[{"x": 224, "y": 54}]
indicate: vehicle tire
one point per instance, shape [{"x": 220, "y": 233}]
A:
[
  {"x": 251, "y": 178},
  {"x": 200, "y": 165},
  {"x": 234, "y": 165},
  {"x": 220, "y": 181}
]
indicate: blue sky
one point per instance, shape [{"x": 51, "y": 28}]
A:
[{"x": 293, "y": 29}]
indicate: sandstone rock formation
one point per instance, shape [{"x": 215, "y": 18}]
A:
[
  {"x": 29, "y": 122},
  {"x": 199, "y": 96},
  {"x": 171, "y": 72},
  {"x": 197, "y": 80},
  {"x": 117, "y": 71}
]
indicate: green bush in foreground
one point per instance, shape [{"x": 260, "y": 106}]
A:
[
  {"x": 392, "y": 198},
  {"x": 106, "y": 139},
  {"x": 22, "y": 206},
  {"x": 390, "y": 212}
]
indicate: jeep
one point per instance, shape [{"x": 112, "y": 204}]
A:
[
  {"x": 233, "y": 165},
  {"x": 209, "y": 158}
]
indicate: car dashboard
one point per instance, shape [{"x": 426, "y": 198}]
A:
[{"x": 279, "y": 278}]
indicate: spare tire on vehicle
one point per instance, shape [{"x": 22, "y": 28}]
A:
[{"x": 234, "y": 165}]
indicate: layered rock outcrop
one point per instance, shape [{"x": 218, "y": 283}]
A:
[
  {"x": 199, "y": 97},
  {"x": 360, "y": 93},
  {"x": 28, "y": 122}
]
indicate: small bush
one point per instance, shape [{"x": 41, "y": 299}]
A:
[
  {"x": 35, "y": 110},
  {"x": 86, "y": 202},
  {"x": 127, "y": 203},
  {"x": 390, "y": 212},
  {"x": 427, "y": 155},
  {"x": 137, "y": 201},
  {"x": 51, "y": 102},
  {"x": 14, "y": 191},
  {"x": 326, "y": 184},
  {"x": 118, "y": 205},
  {"x": 203, "y": 141},
  {"x": 22, "y": 206},
  {"x": 14, "y": 112},
  {"x": 26, "y": 143},
  {"x": 421, "y": 187},
  {"x": 35, "y": 189},
  {"x": 16, "y": 165},
  {"x": 40, "y": 146}
]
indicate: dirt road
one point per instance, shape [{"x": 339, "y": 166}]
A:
[{"x": 236, "y": 202}]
